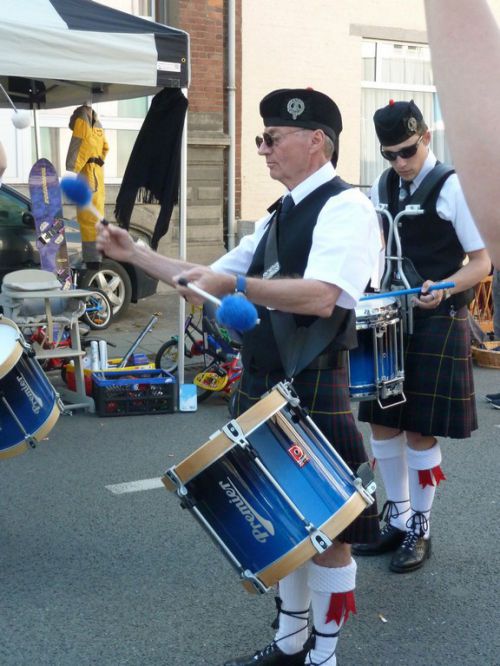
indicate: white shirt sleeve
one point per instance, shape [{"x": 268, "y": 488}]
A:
[
  {"x": 451, "y": 205},
  {"x": 346, "y": 245}
]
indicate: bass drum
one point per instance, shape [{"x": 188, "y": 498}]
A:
[{"x": 28, "y": 403}]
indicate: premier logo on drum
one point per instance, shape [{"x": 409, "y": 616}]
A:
[
  {"x": 36, "y": 402},
  {"x": 261, "y": 528}
]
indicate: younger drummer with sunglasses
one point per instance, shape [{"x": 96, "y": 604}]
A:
[{"x": 438, "y": 385}]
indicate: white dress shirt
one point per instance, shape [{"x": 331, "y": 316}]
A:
[{"x": 345, "y": 243}]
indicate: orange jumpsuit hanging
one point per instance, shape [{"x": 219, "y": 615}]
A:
[{"x": 86, "y": 154}]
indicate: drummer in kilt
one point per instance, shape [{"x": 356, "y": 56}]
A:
[
  {"x": 439, "y": 386},
  {"x": 308, "y": 261}
]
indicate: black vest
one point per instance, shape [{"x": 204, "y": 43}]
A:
[
  {"x": 430, "y": 242},
  {"x": 260, "y": 349}
]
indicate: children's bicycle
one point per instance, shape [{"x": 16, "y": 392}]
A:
[{"x": 211, "y": 353}]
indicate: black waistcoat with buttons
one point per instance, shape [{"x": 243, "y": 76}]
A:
[
  {"x": 429, "y": 241},
  {"x": 260, "y": 350}
]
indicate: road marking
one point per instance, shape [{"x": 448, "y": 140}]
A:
[{"x": 135, "y": 486}]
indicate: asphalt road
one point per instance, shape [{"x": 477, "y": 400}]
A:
[{"x": 92, "y": 576}]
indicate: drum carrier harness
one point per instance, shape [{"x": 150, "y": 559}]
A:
[
  {"x": 285, "y": 341},
  {"x": 405, "y": 272}
]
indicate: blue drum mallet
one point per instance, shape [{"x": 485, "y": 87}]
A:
[{"x": 404, "y": 292}]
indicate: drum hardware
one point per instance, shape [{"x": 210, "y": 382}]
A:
[
  {"x": 266, "y": 512},
  {"x": 394, "y": 263},
  {"x": 235, "y": 433},
  {"x": 29, "y": 440}
]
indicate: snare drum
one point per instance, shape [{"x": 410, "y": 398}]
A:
[
  {"x": 28, "y": 403},
  {"x": 270, "y": 489},
  {"x": 376, "y": 365}
]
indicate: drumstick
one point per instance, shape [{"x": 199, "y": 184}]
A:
[
  {"x": 403, "y": 292},
  {"x": 234, "y": 310}
]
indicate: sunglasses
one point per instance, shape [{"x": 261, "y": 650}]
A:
[
  {"x": 271, "y": 140},
  {"x": 404, "y": 153}
]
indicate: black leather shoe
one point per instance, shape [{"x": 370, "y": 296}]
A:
[
  {"x": 390, "y": 539},
  {"x": 271, "y": 655},
  {"x": 411, "y": 555}
]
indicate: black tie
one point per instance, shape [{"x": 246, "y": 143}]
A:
[
  {"x": 287, "y": 204},
  {"x": 404, "y": 194}
]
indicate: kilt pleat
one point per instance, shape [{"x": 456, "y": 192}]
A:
[
  {"x": 325, "y": 395},
  {"x": 439, "y": 382}
]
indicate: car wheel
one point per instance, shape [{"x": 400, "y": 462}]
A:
[{"x": 114, "y": 281}]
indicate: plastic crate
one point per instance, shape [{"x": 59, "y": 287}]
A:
[
  {"x": 134, "y": 392},
  {"x": 137, "y": 362}
]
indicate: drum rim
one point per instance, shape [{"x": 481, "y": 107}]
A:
[
  {"x": 305, "y": 550},
  {"x": 43, "y": 430},
  {"x": 16, "y": 353}
]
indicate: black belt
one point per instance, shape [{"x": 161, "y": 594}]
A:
[{"x": 331, "y": 360}]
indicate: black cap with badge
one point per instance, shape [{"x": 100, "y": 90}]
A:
[
  {"x": 301, "y": 107},
  {"x": 397, "y": 121}
]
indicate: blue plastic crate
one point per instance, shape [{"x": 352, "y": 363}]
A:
[{"x": 134, "y": 392}]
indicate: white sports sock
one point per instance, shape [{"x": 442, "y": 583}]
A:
[
  {"x": 390, "y": 455},
  {"x": 422, "y": 494},
  {"x": 296, "y": 598},
  {"x": 328, "y": 619}
]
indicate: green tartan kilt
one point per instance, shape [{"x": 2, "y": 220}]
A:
[
  {"x": 438, "y": 384},
  {"x": 325, "y": 394}
]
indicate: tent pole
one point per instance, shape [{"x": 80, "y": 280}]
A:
[
  {"x": 182, "y": 243},
  {"x": 37, "y": 133},
  {"x": 231, "y": 122}
]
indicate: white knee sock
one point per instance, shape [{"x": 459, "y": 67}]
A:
[
  {"x": 295, "y": 598},
  {"x": 424, "y": 475},
  {"x": 332, "y": 601},
  {"x": 390, "y": 455}
]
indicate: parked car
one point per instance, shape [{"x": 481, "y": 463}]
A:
[{"x": 122, "y": 283}]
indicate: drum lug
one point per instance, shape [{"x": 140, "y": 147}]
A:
[
  {"x": 365, "y": 483},
  {"x": 288, "y": 392},
  {"x": 319, "y": 539},
  {"x": 233, "y": 431},
  {"x": 249, "y": 578}
]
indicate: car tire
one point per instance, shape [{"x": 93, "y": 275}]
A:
[{"x": 113, "y": 280}]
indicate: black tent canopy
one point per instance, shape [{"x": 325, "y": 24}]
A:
[{"x": 55, "y": 52}]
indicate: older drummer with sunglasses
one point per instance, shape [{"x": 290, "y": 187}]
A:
[
  {"x": 309, "y": 259},
  {"x": 439, "y": 387}
]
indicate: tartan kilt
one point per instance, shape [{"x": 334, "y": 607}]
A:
[
  {"x": 325, "y": 394},
  {"x": 439, "y": 382}
]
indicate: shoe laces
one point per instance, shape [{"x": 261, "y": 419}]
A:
[
  {"x": 268, "y": 651},
  {"x": 390, "y": 510}
]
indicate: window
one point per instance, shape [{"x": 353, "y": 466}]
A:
[{"x": 398, "y": 71}]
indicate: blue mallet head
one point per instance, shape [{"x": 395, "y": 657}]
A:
[
  {"x": 237, "y": 312},
  {"x": 77, "y": 190}
]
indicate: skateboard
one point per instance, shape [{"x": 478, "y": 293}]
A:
[{"x": 46, "y": 204}]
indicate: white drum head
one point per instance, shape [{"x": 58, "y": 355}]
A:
[
  {"x": 376, "y": 307},
  {"x": 10, "y": 347}
]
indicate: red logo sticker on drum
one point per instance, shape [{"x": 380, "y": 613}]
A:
[{"x": 298, "y": 455}]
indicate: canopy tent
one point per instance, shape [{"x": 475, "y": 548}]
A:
[{"x": 55, "y": 52}]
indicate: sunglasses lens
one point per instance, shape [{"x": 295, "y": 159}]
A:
[
  {"x": 259, "y": 141},
  {"x": 404, "y": 153}
]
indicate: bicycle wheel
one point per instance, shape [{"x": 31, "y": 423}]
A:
[
  {"x": 167, "y": 359},
  {"x": 98, "y": 311}
]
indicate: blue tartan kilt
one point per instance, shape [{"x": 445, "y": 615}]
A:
[
  {"x": 438, "y": 384},
  {"x": 325, "y": 395}
]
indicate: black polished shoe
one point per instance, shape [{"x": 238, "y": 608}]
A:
[
  {"x": 271, "y": 655},
  {"x": 390, "y": 539},
  {"x": 411, "y": 555},
  {"x": 492, "y": 396}
]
